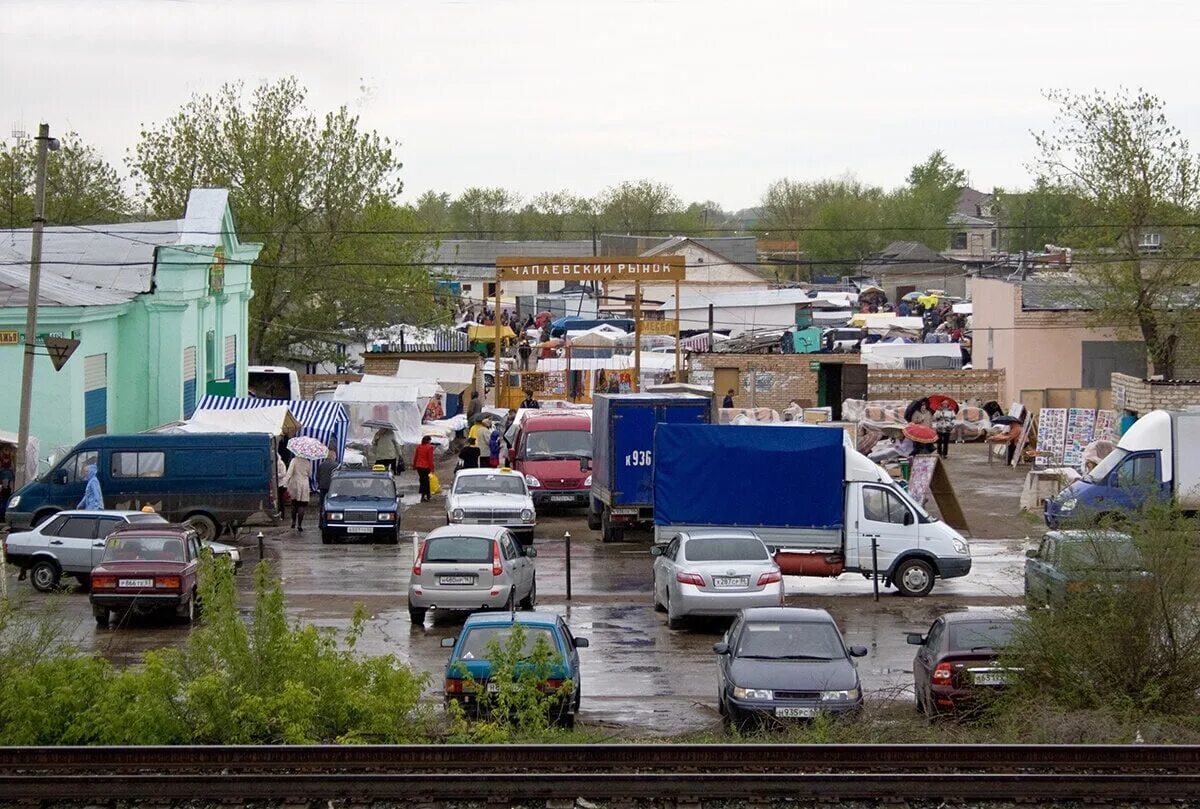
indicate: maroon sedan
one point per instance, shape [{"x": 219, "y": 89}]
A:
[
  {"x": 147, "y": 569},
  {"x": 958, "y": 660}
]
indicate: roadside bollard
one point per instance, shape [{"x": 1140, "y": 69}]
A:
[
  {"x": 567, "y": 537},
  {"x": 260, "y": 546}
]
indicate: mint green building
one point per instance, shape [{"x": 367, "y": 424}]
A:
[{"x": 160, "y": 310}]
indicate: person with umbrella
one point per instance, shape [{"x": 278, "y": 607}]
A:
[
  {"x": 295, "y": 480},
  {"x": 384, "y": 449}
]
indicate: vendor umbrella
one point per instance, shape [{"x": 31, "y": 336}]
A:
[
  {"x": 935, "y": 402},
  {"x": 920, "y": 434},
  {"x": 307, "y": 447},
  {"x": 379, "y": 424}
]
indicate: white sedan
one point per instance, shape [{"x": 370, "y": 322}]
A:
[{"x": 492, "y": 497}]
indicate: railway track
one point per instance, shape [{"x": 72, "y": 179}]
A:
[{"x": 499, "y": 773}]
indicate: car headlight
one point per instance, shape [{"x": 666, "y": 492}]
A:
[
  {"x": 960, "y": 547},
  {"x": 457, "y": 514},
  {"x": 754, "y": 693},
  {"x": 849, "y": 694},
  {"x": 587, "y": 481},
  {"x": 387, "y": 516},
  {"x": 335, "y": 515},
  {"x": 14, "y": 501},
  {"x": 532, "y": 482},
  {"x": 527, "y": 515},
  {"x": 235, "y": 556},
  {"x": 1066, "y": 505}
]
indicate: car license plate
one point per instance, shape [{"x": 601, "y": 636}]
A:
[
  {"x": 456, "y": 579},
  {"x": 991, "y": 678},
  {"x": 795, "y": 713},
  {"x": 561, "y": 498},
  {"x": 731, "y": 581},
  {"x": 359, "y": 529},
  {"x": 135, "y": 583}
]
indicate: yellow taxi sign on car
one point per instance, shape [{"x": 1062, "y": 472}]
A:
[
  {"x": 378, "y": 468},
  {"x": 504, "y": 469}
]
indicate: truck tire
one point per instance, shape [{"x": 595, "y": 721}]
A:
[
  {"x": 609, "y": 532},
  {"x": 44, "y": 575},
  {"x": 914, "y": 577},
  {"x": 593, "y": 518},
  {"x": 205, "y": 526}
]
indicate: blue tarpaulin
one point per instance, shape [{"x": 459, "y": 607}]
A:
[{"x": 785, "y": 477}]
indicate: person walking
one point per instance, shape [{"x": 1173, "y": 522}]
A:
[
  {"x": 325, "y": 477},
  {"x": 481, "y": 432},
  {"x": 280, "y": 474},
  {"x": 728, "y": 401},
  {"x": 469, "y": 455},
  {"x": 93, "y": 498},
  {"x": 943, "y": 423},
  {"x": 524, "y": 350},
  {"x": 385, "y": 450},
  {"x": 529, "y": 402},
  {"x": 295, "y": 480},
  {"x": 474, "y": 408},
  {"x": 423, "y": 463},
  {"x": 494, "y": 448}
]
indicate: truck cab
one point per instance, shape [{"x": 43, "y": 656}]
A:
[{"x": 554, "y": 453}]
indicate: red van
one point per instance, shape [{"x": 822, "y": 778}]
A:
[{"x": 553, "y": 450}]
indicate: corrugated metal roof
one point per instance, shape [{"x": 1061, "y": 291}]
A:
[{"x": 53, "y": 290}]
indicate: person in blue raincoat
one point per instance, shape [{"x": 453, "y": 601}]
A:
[{"x": 93, "y": 498}]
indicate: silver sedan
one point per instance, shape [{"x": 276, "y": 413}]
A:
[
  {"x": 471, "y": 567},
  {"x": 714, "y": 572}
]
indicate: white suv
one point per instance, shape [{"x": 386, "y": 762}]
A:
[{"x": 492, "y": 497}]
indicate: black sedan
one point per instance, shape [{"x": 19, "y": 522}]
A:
[
  {"x": 785, "y": 663},
  {"x": 957, "y": 661}
]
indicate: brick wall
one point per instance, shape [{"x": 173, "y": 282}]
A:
[
  {"x": 1140, "y": 396},
  {"x": 775, "y": 379},
  {"x": 981, "y": 385},
  {"x": 385, "y": 363},
  {"x": 311, "y": 383}
]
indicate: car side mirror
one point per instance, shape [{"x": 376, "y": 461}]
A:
[
  {"x": 721, "y": 648},
  {"x": 656, "y": 550},
  {"x": 908, "y": 518},
  {"x": 916, "y": 639},
  {"x": 60, "y": 476},
  {"x": 448, "y": 643},
  {"x": 858, "y": 651},
  {"x": 1031, "y": 553},
  {"x": 530, "y": 552},
  {"x": 582, "y": 643}
]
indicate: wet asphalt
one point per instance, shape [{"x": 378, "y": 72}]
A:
[{"x": 639, "y": 678}]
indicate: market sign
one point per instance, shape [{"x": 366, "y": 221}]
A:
[
  {"x": 10, "y": 338},
  {"x": 658, "y": 326},
  {"x": 574, "y": 268},
  {"x": 216, "y": 273}
]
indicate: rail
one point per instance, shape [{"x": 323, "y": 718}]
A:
[{"x": 606, "y": 771}]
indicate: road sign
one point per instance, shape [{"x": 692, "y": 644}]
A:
[
  {"x": 658, "y": 326},
  {"x": 607, "y": 268},
  {"x": 60, "y": 350}
]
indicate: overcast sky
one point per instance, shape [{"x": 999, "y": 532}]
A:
[{"x": 716, "y": 98}]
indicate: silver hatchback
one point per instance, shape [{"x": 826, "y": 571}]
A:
[
  {"x": 714, "y": 572},
  {"x": 471, "y": 567}
]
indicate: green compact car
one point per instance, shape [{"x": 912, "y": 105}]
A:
[{"x": 1069, "y": 562}]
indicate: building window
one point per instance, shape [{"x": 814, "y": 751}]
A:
[
  {"x": 95, "y": 394},
  {"x": 1151, "y": 241},
  {"x": 491, "y": 291},
  {"x": 466, "y": 287},
  {"x": 210, "y": 355},
  {"x": 189, "y": 381},
  {"x": 960, "y": 240},
  {"x": 994, "y": 239},
  {"x": 543, "y": 287}
]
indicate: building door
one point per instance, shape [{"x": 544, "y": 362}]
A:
[
  {"x": 725, "y": 379},
  {"x": 95, "y": 394},
  {"x": 1101, "y": 358},
  {"x": 854, "y": 382},
  {"x": 189, "y": 381}
]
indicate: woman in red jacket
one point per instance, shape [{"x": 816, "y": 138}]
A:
[{"x": 423, "y": 463}]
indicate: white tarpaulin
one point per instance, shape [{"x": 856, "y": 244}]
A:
[
  {"x": 385, "y": 398},
  {"x": 892, "y": 355},
  {"x": 277, "y": 420},
  {"x": 31, "y": 452},
  {"x": 651, "y": 361},
  {"x": 453, "y": 377}
]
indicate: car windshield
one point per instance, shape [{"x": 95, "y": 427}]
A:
[
  {"x": 790, "y": 640},
  {"x": 1110, "y": 462},
  {"x": 458, "y": 549},
  {"x": 475, "y": 644},
  {"x": 143, "y": 549},
  {"x": 545, "y": 444},
  {"x": 489, "y": 484},
  {"x": 372, "y": 488},
  {"x": 1095, "y": 553},
  {"x": 980, "y": 635},
  {"x": 725, "y": 549}
]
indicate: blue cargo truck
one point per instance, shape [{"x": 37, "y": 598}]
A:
[{"x": 623, "y": 454}]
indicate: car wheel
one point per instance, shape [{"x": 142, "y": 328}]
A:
[
  {"x": 530, "y": 600},
  {"x": 187, "y": 612},
  {"x": 393, "y": 538},
  {"x": 44, "y": 575},
  {"x": 673, "y": 621},
  {"x": 101, "y": 616},
  {"x": 721, "y": 709},
  {"x": 593, "y": 520},
  {"x": 914, "y": 577},
  {"x": 658, "y": 607},
  {"x": 85, "y": 583},
  {"x": 417, "y": 615},
  {"x": 326, "y": 538},
  {"x": 204, "y": 525},
  {"x": 511, "y": 601}
]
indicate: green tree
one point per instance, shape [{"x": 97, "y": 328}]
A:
[
  {"x": 1030, "y": 220},
  {"x": 315, "y": 190},
  {"x": 556, "y": 215},
  {"x": 432, "y": 211},
  {"x": 1136, "y": 178},
  {"x": 919, "y": 210},
  {"x": 81, "y": 187},
  {"x": 642, "y": 207},
  {"x": 484, "y": 213}
]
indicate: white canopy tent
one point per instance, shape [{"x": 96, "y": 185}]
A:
[
  {"x": 385, "y": 399},
  {"x": 276, "y": 420},
  {"x": 452, "y": 377}
]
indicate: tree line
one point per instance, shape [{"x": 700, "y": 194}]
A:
[{"x": 343, "y": 254}]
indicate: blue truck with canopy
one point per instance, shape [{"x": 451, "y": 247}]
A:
[
  {"x": 623, "y": 454},
  {"x": 822, "y": 506}
]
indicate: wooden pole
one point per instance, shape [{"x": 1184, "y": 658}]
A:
[
  {"x": 677, "y": 330},
  {"x": 637, "y": 335},
  {"x": 501, "y": 377}
]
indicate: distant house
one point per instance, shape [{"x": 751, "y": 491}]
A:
[
  {"x": 974, "y": 236},
  {"x": 908, "y": 266},
  {"x": 471, "y": 263},
  {"x": 720, "y": 265}
]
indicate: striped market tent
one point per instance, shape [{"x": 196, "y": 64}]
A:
[{"x": 325, "y": 421}]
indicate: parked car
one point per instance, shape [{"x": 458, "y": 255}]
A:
[
  {"x": 553, "y": 450},
  {"x": 1068, "y": 562},
  {"x": 212, "y": 481},
  {"x": 957, "y": 660},
  {"x": 717, "y": 572},
  {"x": 71, "y": 543},
  {"x": 492, "y": 497},
  {"x": 147, "y": 569},
  {"x": 785, "y": 663},
  {"x": 360, "y": 503},
  {"x": 469, "y": 664},
  {"x": 471, "y": 567}
]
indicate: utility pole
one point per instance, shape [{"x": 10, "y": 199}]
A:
[{"x": 45, "y": 144}]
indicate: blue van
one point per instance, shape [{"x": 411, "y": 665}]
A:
[{"x": 211, "y": 481}]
